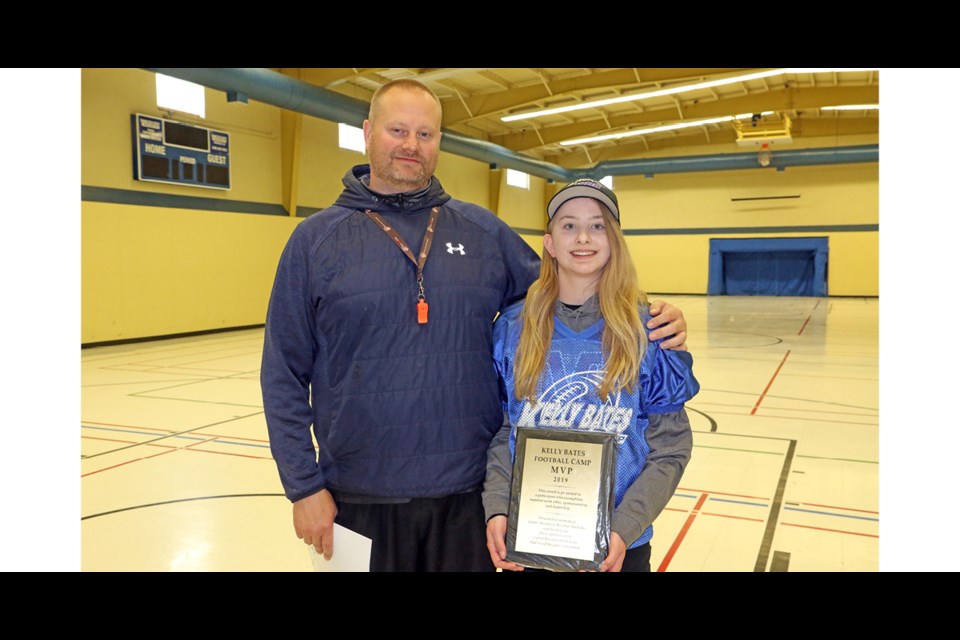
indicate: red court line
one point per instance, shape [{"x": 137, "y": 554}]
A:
[
  {"x": 147, "y": 369},
  {"x": 215, "y": 372},
  {"x": 853, "y": 533},
  {"x": 721, "y": 493},
  {"x": 680, "y": 536},
  {"x": 111, "y": 440},
  {"x": 227, "y": 453},
  {"x": 804, "y": 325},
  {"x": 166, "y": 446},
  {"x": 769, "y": 384},
  {"x": 721, "y": 515},
  {"x": 724, "y": 515},
  {"x": 170, "y": 448},
  {"x": 128, "y": 426},
  {"x": 830, "y": 506},
  {"x": 84, "y": 475},
  {"x": 131, "y": 426}
]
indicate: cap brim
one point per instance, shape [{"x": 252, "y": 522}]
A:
[{"x": 577, "y": 191}]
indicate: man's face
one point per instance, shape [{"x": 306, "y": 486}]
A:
[{"x": 403, "y": 141}]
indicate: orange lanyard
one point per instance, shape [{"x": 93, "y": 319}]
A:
[{"x": 424, "y": 250}]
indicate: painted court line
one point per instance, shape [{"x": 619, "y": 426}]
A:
[
  {"x": 769, "y": 417},
  {"x": 778, "y": 397},
  {"x": 830, "y": 506},
  {"x": 872, "y": 413},
  {"x": 721, "y": 493},
  {"x": 767, "y": 542},
  {"x": 749, "y": 504},
  {"x": 680, "y": 536},
  {"x": 162, "y": 453},
  {"x": 760, "y": 399},
  {"x": 171, "y": 435},
  {"x": 852, "y": 533},
  {"x": 168, "y": 446},
  {"x": 202, "y": 436},
  {"x": 132, "y": 426},
  {"x": 725, "y": 515},
  {"x": 90, "y": 473},
  {"x": 180, "y": 500},
  {"x": 835, "y": 515}
]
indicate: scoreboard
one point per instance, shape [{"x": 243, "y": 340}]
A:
[{"x": 179, "y": 153}]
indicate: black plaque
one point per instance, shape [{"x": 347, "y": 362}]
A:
[{"x": 561, "y": 499}]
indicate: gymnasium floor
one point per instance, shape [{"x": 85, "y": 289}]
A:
[{"x": 176, "y": 473}]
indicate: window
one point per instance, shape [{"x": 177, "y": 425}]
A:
[
  {"x": 352, "y": 138},
  {"x": 180, "y": 95},
  {"x": 518, "y": 179}
]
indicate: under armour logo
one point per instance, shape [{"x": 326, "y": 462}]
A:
[{"x": 459, "y": 247}]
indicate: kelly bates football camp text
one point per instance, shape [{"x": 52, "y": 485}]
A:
[{"x": 562, "y": 461}]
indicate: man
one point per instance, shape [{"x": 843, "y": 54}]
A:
[{"x": 386, "y": 351}]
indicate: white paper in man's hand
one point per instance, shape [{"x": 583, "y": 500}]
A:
[{"x": 351, "y": 552}]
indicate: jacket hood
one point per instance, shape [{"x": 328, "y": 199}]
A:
[{"x": 357, "y": 195}]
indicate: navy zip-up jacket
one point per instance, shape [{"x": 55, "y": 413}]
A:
[{"x": 398, "y": 409}]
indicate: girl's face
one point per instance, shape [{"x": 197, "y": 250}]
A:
[{"x": 578, "y": 239}]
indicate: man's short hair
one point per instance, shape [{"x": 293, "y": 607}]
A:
[{"x": 403, "y": 83}]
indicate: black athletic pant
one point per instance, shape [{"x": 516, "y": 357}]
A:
[{"x": 425, "y": 534}]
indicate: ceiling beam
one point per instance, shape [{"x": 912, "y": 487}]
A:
[
  {"x": 634, "y": 148},
  {"x": 485, "y": 104},
  {"x": 793, "y": 99},
  {"x": 333, "y": 77}
]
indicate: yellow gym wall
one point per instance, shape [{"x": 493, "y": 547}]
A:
[
  {"x": 688, "y": 209},
  {"x": 158, "y": 270},
  {"x": 525, "y": 209}
]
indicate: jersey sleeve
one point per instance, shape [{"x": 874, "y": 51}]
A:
[{"x": 666, "y": 377}]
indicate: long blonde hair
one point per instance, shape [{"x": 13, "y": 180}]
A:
[{"x": 624, "y": 338}]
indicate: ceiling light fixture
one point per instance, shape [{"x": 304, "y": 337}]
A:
[
  {"x": 667, "y": 127},
  {"x": 670, "y": 91},
  {"x": 851, "y": 107}
]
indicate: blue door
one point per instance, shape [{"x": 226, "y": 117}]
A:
[{"x": 768, "y": 267}]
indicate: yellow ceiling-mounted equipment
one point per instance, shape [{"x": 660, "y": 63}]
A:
[{"x": 763, "y": 130}]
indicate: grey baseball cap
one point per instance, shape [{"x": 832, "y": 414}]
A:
[{"x": 585, "y": 188}]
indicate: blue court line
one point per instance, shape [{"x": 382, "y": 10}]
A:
[
  {"x": 827, "y": 513},
  {"x": 147, "y": 433},
  {"x": 754, "y": 504},
  {"x": 749, "y": 504}
]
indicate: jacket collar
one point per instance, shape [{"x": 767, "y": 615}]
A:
[{"x": 358, "y": 195}]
